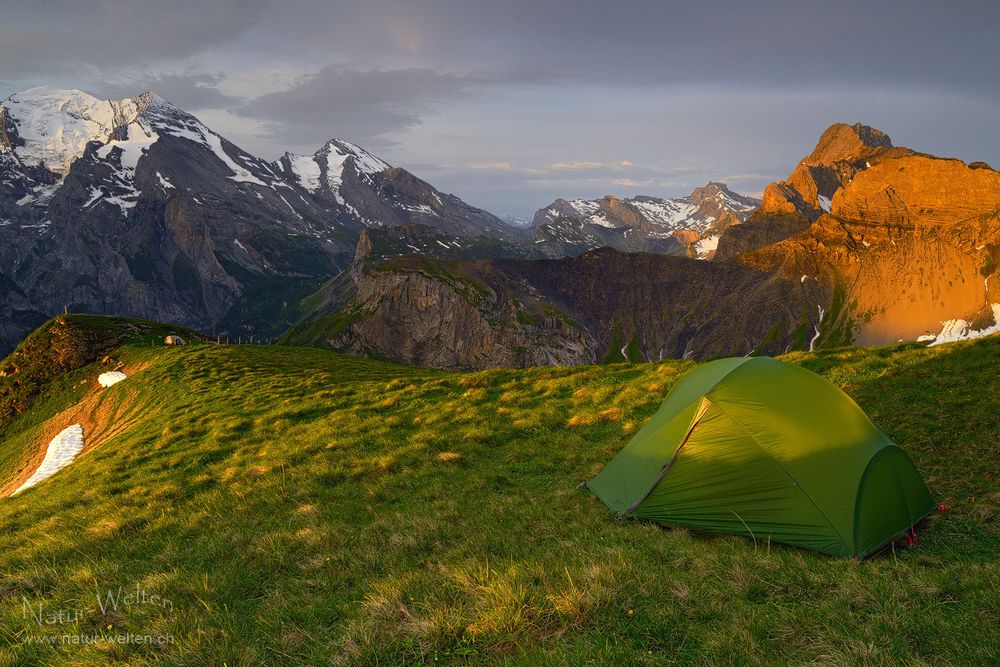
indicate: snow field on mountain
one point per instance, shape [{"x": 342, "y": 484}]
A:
[
  {"x": 306, "y": 171},
  {"x": 706, "y": 245},
  {"x": 56, "y": 125},
  {"x": 959, "y": 329}
]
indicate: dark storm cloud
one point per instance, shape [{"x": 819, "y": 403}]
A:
[
  {"x": 360, "y": 105},
  {"x": 363, "y": 106},
  {"x": 46, "y": 39},
  {"x": 947, "y": 48},
  {"x": 783, "y": 42}
]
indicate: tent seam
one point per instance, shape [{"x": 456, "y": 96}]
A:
[
  {"x": 862, "y": 483},
  {"x": 913, "y": 522},
  {"x": 857, "y": 501},
  {"x": 787, "y": 474},
  {"x": 702, "y": 410},
  {"x": 731, "y": 371}
]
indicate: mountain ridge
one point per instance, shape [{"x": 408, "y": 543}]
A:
[
  {"x": 642, "y": 223},
  {"x": 136, "y": 207},
  {"x": 864, "y": 243}
]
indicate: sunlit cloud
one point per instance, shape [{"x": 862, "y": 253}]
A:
[
  {"x": 632, "y": 183},
  {"x": 739, "y": 178},
  {"x": 499, "y": 166},
  {"x": 573, "y": 166}
]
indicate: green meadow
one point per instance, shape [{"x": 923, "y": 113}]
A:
[{"x": 270, "y": 505}]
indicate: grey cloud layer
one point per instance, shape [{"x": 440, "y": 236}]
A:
[
  {"x": 43, "y": 39},
  {"x": 188, "y": 91},
  {"x": 360, "y": 105}
]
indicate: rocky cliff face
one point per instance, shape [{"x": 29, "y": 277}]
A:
[
  {"x": 788, "y": 207},
  {"x": 433, "y": 312},
  {"x": 600, "y": 306},
  {"x": 842, "y": 152},
  {"x": 17, "y": 314},
  {"x": 910, "y": 248}
]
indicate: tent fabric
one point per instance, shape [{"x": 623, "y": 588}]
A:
[{"x": 757, "y": 447}]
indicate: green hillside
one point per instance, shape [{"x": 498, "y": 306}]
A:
[{"x": 278, "y": 505}]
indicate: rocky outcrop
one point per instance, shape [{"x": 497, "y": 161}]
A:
[
  {"x": 600, "y": 306},
  {"x": 923, "y": 191},
  {"x": 432, "y": 313},
  {"x": 842, "y": 152},
  {"x": 788, "y": 207},
  {"x": 845, "y": 143},
  {"x": 910, "y": 247},
  {"x": 432, "y": 319},
  {"x": 761, "y": 230}
]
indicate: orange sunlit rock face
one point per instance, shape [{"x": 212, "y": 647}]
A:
[
  {"x": 922, "y": 191},
  {"x": 842, "y": 152},
  {"x": 911, "y": 240}
]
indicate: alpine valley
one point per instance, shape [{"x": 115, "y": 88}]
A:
[
  {"x": 134, "y": 207},
  {"x": 863, "y": 243}
]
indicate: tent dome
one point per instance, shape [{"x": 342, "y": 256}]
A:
[{"x": 758, "y": 447}]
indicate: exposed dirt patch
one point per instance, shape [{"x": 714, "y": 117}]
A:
[{"x": 100, "y": 418}]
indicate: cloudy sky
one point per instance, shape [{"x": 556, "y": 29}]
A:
[{"x": 512, "y": 104}]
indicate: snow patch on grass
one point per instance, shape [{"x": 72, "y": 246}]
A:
[
  {"x": 110, "y": 378},
  {"x": 61, "y": 452}
]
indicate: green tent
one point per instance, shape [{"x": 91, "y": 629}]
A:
[{"x": 761, "y": 448}]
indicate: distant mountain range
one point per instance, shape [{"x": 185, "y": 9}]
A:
[
  {"x": 136, "y": 207},
  {"x": 863, "y": 243},
  {"x": 685, "y": 225}
]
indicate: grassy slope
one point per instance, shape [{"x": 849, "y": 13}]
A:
[
  {"x": 47, "y": 367},
  {"x": 296, "y": 506}
]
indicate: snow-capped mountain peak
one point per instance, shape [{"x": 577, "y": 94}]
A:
[
  {"x": 720, "y": 193},
  {"x": 47, "y": 130},
  {"x": 364, "y": 162},
  {"x": 50, "y": 128},
  {"x": 325, "y": 168},
  {"x": 694, "y": 211}
]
